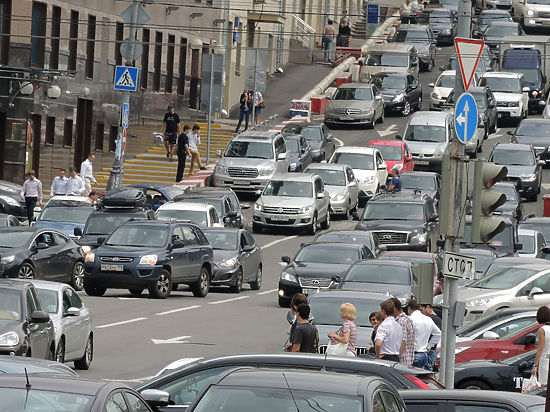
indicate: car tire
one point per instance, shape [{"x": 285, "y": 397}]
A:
[
  {"x": 94, "y": 290},
  {"x": 202, "y": 286},
  {"x": 86, "y": 360},
  {"x": 406, "y": 110},
  {"x": 326, "y": 224},
  {"x": 283, "y": 302},
  {"x": 51, "y": 353},
  {"x": 163, "y": 286},
  {"x": 26, "y": 271},
  {"x": 313, "y": 227},
  {"x": 370, "y": 125},
  {"x": 381, "y": 118},
  {"x": 474, "y": 384},
  {"x": 77, "y": 276},
  {"x": 135, "y": 292},
  {"x": 60, "y": 352},
  {"x": 533, "y": 197},
  {"x": 257, "y": 284},
  {"x": 238, "y": 286},
  {"x": 256, "y": 228}
]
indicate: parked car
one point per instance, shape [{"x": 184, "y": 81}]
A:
[
  {"x": 217, "y": 191},
  {"x": 65, "y": 213},
  {"x": 317, "y": 134},
  {"x": 8, "y": 220},
  {"x": 355, "y": 103},
  {"x": 358, "y": 237},
  {"x": 533, "y": 244},
  {"x": 510, "y": 262},
  {"x": 202, "y": 214},
  {"x": 390, "y": 58},
  {"x": 227, "y": 213},
  {"x": 488, "y": 15},
  {"x": 497, "y": 30},
  {"x": 534, "y": 132},
  {"x": 10, "y": 200},
  {"x": 299, "y": 152},
  {"x": 401, "y": 92},
  {"x": 18, "y": 365},
  {"x": 510, "y": 92},
  {"x": 395, "y": 153},
  {"x": 423, "y": 39},
  {"x": 443, "y": 86},
  {"x": 514, "y": 204}
]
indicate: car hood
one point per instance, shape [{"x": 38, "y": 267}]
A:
[
  {"x": 107, "y": 250},
  {"x": 425, "y": 147},
  {"x": 8, "y": 325},
  {"x": 507, "y": 97},
  {"x": 402, "y": 225},
  {"x": 246, "y": 162},
  {"x": 317, "y": 270},
  {"x": 517, "y": 171},
  {"x": 67, "y": 227},
  {"x": 222, "y": 255},
  {"x": 351, "y": 104},
  {"x": 363, "y": 334},
  {"x": 536, "y": 141},
  {"x": 440, "y": 26},
  {"x": 334, "y": 190},
  {"x": 285, "y": 201},
  {"x": 395, "y": 290}
]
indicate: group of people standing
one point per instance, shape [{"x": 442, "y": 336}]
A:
[
  {"x": 343, "y": 37},
  {"x": 409, "y": 11},
  {"x": 249, "y": 102}
]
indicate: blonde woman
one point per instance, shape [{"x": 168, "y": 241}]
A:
[{"x": 348, "y": 332}]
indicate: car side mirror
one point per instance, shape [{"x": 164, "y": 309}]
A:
[
  {"x": 398, "y": 137},
  {"x": 77, "y": 231},
  {"x": 72, "y": 311},
  {"x": 336, "y": 279},
  {"x": 219, "y": 153},
  {"x": 541, "y": 162},
  {"x": 320, "y": 195},
  {"x": 529, "y": 339},
  {"x": 285, "y": 259},
  {"x": 355, "y": 215},
  {"x": 281, "y": 156},
  {"x": 39, "y": 316},
  {"x": 377, "y": 97},
  {"x": 100, "y": 241},
  {"x": 156, "y": 398},
  {"x": 431, "y": 84},
  {"x": 535, "y": 291},
  {"x": 41, "y": 246},
  {"x": 177, "y": 244},
  {"x": 490, "y": 335},
  {"x": 382, "y": 166},
  {"x": 258, "y": 192}
]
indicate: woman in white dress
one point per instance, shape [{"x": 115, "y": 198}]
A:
[{"x": 540, "y": 366}]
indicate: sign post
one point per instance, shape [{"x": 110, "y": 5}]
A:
[{"x": 459, "y": 266}]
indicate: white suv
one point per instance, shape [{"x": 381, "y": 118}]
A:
[
  {"x": 201, "y": 214},
  {"x": 510, "y": 93},
  {"x": 531, "y": 13}
]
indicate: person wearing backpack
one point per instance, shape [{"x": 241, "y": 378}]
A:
[{"x": 305, "y": 333}]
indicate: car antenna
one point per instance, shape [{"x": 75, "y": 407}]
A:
[
  {"x": 28, "y": 385},
  {"x": 323, "y": 369},
  {"x": 291, "y": 394}
]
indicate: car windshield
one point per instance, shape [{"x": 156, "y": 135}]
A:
[
  {"x": 291, "y": 188},
  {"x": 48, "y": 300},
  {"x": 512, "y": 157},
  {"x": 104, "y": 223},
  {"x": 482, "y": 261},
  {"x": 378, "y": 273},
  {"x": 510, "y": 192},
  {"x": 361, "y": 161},
  {"x": 502, "y": 84},
  {"x": 440, "y": 18},
  {"x": 527, "y": 242},
  {"x": 222, "y": 240},
  {"x": 309, "y": 132},
  {"x": 502, "y": 239},
  {"x": 448, "y": 3},
  {"x": 412, "y": 36},
  {"x": 14, "y": 239},
  {"x": 505, "y": 279},
  {"x": 413, "y": 181},
  {"x": 198, "y": 217},
  {"x": 251, "y": 150},
  {"x": 254, "y": 398},
  {"x": 391, "y": 153},
  {"x": 326, "y": 310},
  {"x": 393, "y": 211},
  {"x": 545, "y": 2},
  {"x": 355, "y": 93},
  {"x": 537, "y": 129},
  {"x": 447, "y": 80},
  {"x": 328, "y": 255},
  {"x": 388, "y": 60},
  {"x": 478, "y": 97},
  {"x": 330, "y": 177},
  {"x": 425, "y": 133},
  {"x": 10, "y": 305},
  {"x": 138, "y": 236},
  {"x": 530, "y": 75},
  {"x": 292, "y": 145},
  {"x": 544, "y": 229},
  {"x": 357, "y": 239},
  {"x": 66, "y": 214},
  {"x": 486, "y": 19},
  {"x": 498, "y": 30},
  {"x": 393, "y": 82},
  {"x": 21, "y": 399}
]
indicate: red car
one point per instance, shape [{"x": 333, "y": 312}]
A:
[{"x": 396, "y": 154}]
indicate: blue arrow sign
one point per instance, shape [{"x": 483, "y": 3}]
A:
[
  {"x": 126, "y": 78},
  {"x": 125, "y": 115},
  {"x": 465, "y": 117}
]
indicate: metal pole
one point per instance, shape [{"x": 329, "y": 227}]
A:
[
  {"x": 254, "y": 95},
  {"x": 209, "y": 108}
]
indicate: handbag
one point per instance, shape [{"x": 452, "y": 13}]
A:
[
  {"x": 261, "y": 105},
  {"x": 530, "y": 384},
  {"x": 337, "y": 349}
]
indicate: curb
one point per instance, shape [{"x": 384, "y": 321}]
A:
[{"x": 199, "y": 179}]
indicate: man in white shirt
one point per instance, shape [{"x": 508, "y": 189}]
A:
[
  {"x": 389, "y": 335},
  {"x": 59, "y": 184},
  {"x": 75, "y": 185},
  {"x": 87, "y": 173},
  {"x": 194, "y": 141},
  {"x": 426, "y": 334}
]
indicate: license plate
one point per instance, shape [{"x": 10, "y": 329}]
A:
[
  {"x": 309, "y": 291},
  {"x": 242, "y": 182},
  {"x": 112, "y": 268},
  {"x": 421, "y": 162},
  {"x": 279, "y": 218},
  {"x": 345, "y": 118}
]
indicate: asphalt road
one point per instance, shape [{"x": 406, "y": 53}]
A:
[{"x": 136, "y": 337}]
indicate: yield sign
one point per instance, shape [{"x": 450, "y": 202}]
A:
[{"x": 468, "y": 51}]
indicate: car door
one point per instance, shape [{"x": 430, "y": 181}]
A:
[
  {"x": 492, "y": 108},
  {"x": 281, "y": 166},
  {"x": 307, "y": 156},
  {"x": 38, "y": 333},
  {"x": 381, "y": 169},
  {"x": 194, "y": 252},
  {"x": 378, "y": 102},
  {"x": 78, "y": 327},
  {"x": 41, "y": 258},
  {"x": 408, "y": 164},
  {"x": 320, "y": 203},
  {"x": 179, "y": 255},
  {"x": 255, "y": 258},
  {"x": 245, "y": 258},
  {"x": 69, "y": 325},
  {"x": 229, "y": 219},
  {"x": 353, "y": 186},
  {"x": 63, "y": 259}
]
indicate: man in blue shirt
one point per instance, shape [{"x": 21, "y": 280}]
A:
[{"x": 395, "y": 185}]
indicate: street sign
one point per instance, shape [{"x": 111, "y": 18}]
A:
[
  {"x": 468, "y": 52},
  {"x": 142, "y": 16},
  {"x": 459, "y": 266},
  {"x": 125, "y": 114},
  {"x": 465, "y": 117},
  {"x": 126, "y": 78},
  {"x": 125, "y": 47}
]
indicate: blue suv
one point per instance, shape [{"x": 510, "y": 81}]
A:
[{"x": 153, "y": 255}]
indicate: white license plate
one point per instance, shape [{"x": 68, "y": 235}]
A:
[
  {"x": 345, "y": 118},
  {"x": 112, "y": 268},
  {"x": 309, "y": 291},
  {"x": 242, "y": 182},
  {"x": 279, "y": 218},
  {"x": 421, "y": 162}
]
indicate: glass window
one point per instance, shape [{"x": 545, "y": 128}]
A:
[
  {"x": 138, "y": 236},
  {"x": 379, "y": 273},
  {"x": 288, "y": 188},
  {"x": 228, "y": 207},
  {"x": 424, "y": 407},
  {"x": 416, "y": 181},
  {"x": 330, "y": 177},
  {"x": 350, "y": 175},
  {"x": 31, "y": 303},
  {"x": 222, "y": 240},
  {"x": 505, "y": 279},
  {"x": 528, "y": 243},
  {"x": 388, "y": 60},
  {"x": 60, "y": 240},
  {"x": 394, "y": 211},
  {"x": 198, "y": 217},
  {"x": 501, "y": 30},
  {"x": 378, "y": 404},
  {"x": 349, "y": 93},
  {"x": 542, "y": 282},
  {"x": 392, "y": 153},
  {"x": 354, "y": 160},
  {"x": 512, "y": 157},
  {"x": 66, "y": 214},
  {"x": 329, "y": 255},
  {"x": 249, "y": 239},
  {"x": 189, "y": 237},
  {"x": 326, "y": 310},
  {"x": 511, "y": 326},
  {"x": 426, "y": 133},
  {"x": 447, "y": 80},
  {"x": 479, "y": 408},
  {"x": 502, "y": 84},
  {"x": 10, "y": 304},
  {"x": 213, "y": 216},
  {"x": 177, "y": 234},
  {"x": 46, "y": 238},
  {"x": 116, "y": 403},
  {"x": 136, "y": 404},
  {"x": 292, "y": 144},
  {"x": 66, "y": 301},
  {"x": 48, "y": 300},
  {"x": 104, "y": 223},
  {"x": 252, "y": 150},
  {"x": 527, "y": 128},
  {"x": 391, "y": 404},
  {"x": 200, "y": 235},
  {"x": 19, "y": 399},
  {"x": 74, "y": 298},
  {"x": 509, "y": 190}
]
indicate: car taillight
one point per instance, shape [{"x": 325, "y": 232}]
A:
[{"x": 417, "y": 382}]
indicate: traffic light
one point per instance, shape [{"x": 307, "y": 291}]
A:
[{"x": 485, "y": 201}]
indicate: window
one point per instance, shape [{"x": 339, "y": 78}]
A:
[
  {"x": 227, "y": 207},
  {"x": 189, "y": 237},
  {"x": 90, "y": 47},
  {"x": 177, "y": 234},
  {"x": 318, "y": 186},
  {"x": 349, "y": 174},
  {"x": 99, "y": 132},
  {"x": 38, "y": 34},
  {"x": 377, "y": 404},
  {"x": 170, "y": 64},
  {"x": 31, "y": 303},
  {"x": 60, "y": 240},
  {"x": 73, "y": 40},
  {"x": 391, "y": 404},
  {"x": 136, "y": 404},
  {"x": 479, "y": 408},
  {"x": 116, "y": 403},
  {"x": 145, "y": 39},
  {"x": 68, "y": 133},
  {"x": 50, "y": 130},
  {"x": 66, "y": 302},
  {"x": 280, "y": 146},
  {"x": 54, "y": 42},
  {"x": 214, "y": 216},
  {"x": 119, "y": 36},
  {"x": 157, "y": 62},
  {"x": 424, "y": 407},
  {"x": 74, "y": 299},
  {"x": 5, "y": 23},
  {"x": 182, "y": 65}
]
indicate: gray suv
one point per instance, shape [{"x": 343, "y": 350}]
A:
[{"x": 250, "y": 160}]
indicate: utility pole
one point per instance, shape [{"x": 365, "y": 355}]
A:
[{"x": 209, "y": 107}]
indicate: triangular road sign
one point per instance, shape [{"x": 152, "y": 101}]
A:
[
  {"x": 126, "y": 80},
  {"x": 468, "y": 52}
]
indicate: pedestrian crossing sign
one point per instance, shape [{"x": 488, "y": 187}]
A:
[{"x": 126, "y": 78}]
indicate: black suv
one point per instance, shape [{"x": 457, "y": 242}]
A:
[
  {"x": 401, "y": 221},
  {"x": 157, "y": 255}
]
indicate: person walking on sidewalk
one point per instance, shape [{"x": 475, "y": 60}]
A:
[
  {"x": 258, "y": 106},
  {"x": 87, "y": 173},
  {"x": 328, "y": 39},
  {"x": 194, "y": 142},
  {"x": 75, "y": 184},
  {"x": 183, "y": 151},
  {"x": 59, "y": 184},
  {"x": 171, "y": 127},
  {"x": 344, "y": 33},
  {"x": 244, "y": 110},
  {"x": 31, "y": 194}
]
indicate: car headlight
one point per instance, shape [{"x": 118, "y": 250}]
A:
[
  {"x": 339, "y": 197},
  {"x": 90, "y": 257},
  {"x": 419, "y": 238},
  {"x": 10, "y": 201},
  {"x": 258, "y": 207},
  {"x": 446, "y": 31},
  {"x": 399, "y": 97},
  {"x": 229, "y": 263},
  {"x": 85, "y": 249},
  {"x": 9, "y": 339},
  {"x": 221, "y": 170},
  {"x": 7, "y": 259},
  {"x": 438, "y": 152},
  {"x": 479, "y": 302},
  {"x": 293, "y": 167},
  {"x": 368, "y": 180},
  {"x": 529, "y": 177},
  {"x": 266, "y": 172},
  {"x": 461, "y": 349},
  {"x": 530, "y": 12},
  {"x": 148, "y": 260},
  {"x": 305, "y": 209},
  {"x": 436, "y": 96},
  {"x": 398, "y": 166},
  {"x": 288, "y": 277}
]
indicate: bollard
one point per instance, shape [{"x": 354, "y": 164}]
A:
[{"x": 546, "y": 202}]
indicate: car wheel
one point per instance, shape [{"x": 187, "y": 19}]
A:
[
  {"x": 201, "y": 287},
  {"x": 51, "y": 353},
  {"x": 370, "y": 125},
  {"x": 86, "y": 360},
  {"x": 135, "y": 292},
  {"x": 474, "y": 384},
  {"x": 406, "y": 110},
  {"x": 60, "y": 352},
  {"x": 93, "y": 290},
  {"x": 77, "y": 277},
  {"x": 494, "y": 128},
  {"x": 313, "y": 227},
  {"x": 163, "y": 286},
  {"x": 326, "y": 224},
  {"x": 256, "y": 228},
  {"x": 26, "y": 271},
  {"x": 381, "y": 118},
  {"x": 283, "y": 302},
  {"x": 533, "y": 197},
  {"x": 238, "y": 286},
  {"x": 257, "y": 284}
]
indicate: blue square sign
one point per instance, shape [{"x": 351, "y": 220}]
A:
[
  {"x": 125, "y": 115},
  {"x": 126, "y": 78}
]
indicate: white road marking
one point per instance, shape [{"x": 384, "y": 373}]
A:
[
  {"x": 277, "y": 241},
  {"x": 494, "y": 136},
  {"x": 339, "y": 143},
  {"x": 168, "y": 312},
  {"x": 267, "y": 291},
  {"x": 179, "y": 339},
  {"x": 228, "y": 300},
  {"x": 387, "y": 131},
  {"x": 545, "y": 186},
  {"x": 108, "y": 325},
  {"x": 128, "y": 298}
]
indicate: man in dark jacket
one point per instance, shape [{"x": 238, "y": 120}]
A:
[
  {"x": 183, "y": 151},
  {"x": 244, "y": 109}
]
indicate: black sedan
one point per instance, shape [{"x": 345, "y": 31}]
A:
[
  {"x": 358, "y": 237},
  {"x": 10, "y": 200},
  {"x": 317, "y": 134},
  {"x": 237, "y": 259},
  {"x": 486, "y": 17},
  {"x": 8, "y": 220},
  {"x": 513, "y": 207},
  {"x": 299, "y": 151},
  {"x": 504, "y": 375},
  {"x": 443, "y": 25},
  {"x": 25, "y": 330},
  {"x": 314, "y": 266},
  {"x": 401, "y": 92},
  {"x": 30, "y": 252},
  {"x": 535, "y": 132},
  {"x": 497, "y": 30}
]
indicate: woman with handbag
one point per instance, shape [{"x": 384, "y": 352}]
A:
[
  {"x": 346, "y": 336},
  {"x": 540, "y": 366}
]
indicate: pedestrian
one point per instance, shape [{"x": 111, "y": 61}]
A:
[
  {"x": 296, "y": 300},
  {"x": 426, "y": 334},
  {"x": 59, "y": 184},
  {"x": 376, "y": 319},
  {"x": 344, "y": 33},
  {"x": 346, "y": 16},
  {"x": 93, "y": 198},
  {"x": 406, "y": 353},
  {"x": 87, "y": 173},
  {"x": 540, "y": 366},
  {"x": 405, "y": 12},
  {"x": 415, "y": 12},
  {"x": 305, "y": 332},
  {"x": 171, "y": 129},
  {"x": 328, "y": 39},
  {"x": 348, "y": 332},
  {"x": 245, "y": 108},
  {"x": 194, "y": 140},
  {"x": 389, "y": 335},
  {"x": 395, "y": 185},
  {"x": 31, "y": 193},
  {"x": 75, "y": 184},
  {"x": 427, "y": 310},
  {"x": 258, "y": 106},
  {"x": 183, "y": 152}
]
